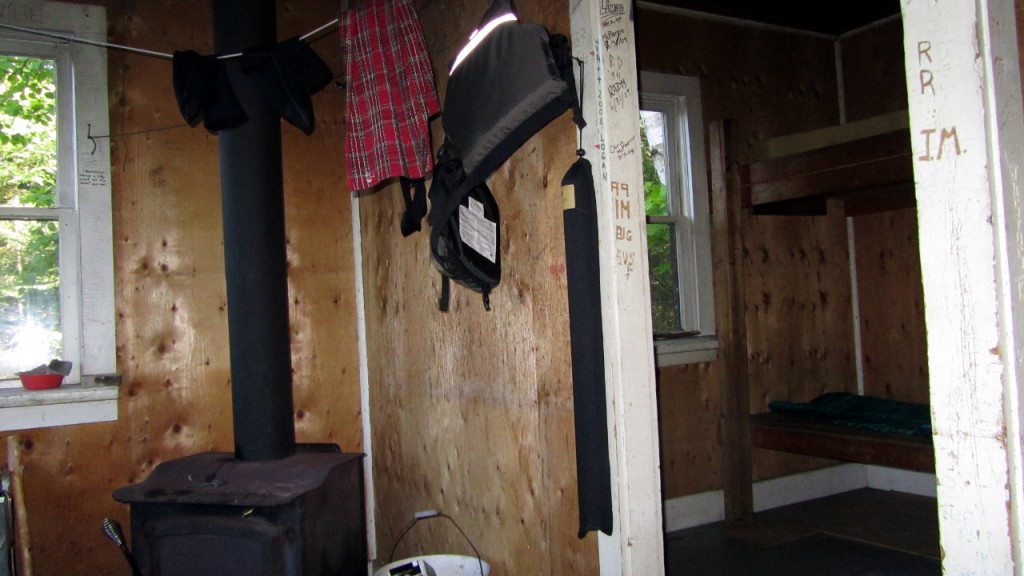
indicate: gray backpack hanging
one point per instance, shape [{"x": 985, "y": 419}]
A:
[
  {"x": 503, "y": 88},
  {"x": 509, "y": 81},
  {"x": 465, "y": 233}
]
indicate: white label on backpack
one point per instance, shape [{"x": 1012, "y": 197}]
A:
[{"x": 477, "y": 231}]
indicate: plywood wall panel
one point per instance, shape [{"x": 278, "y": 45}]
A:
[
  {"x": 472, "y": 410},
  {"x": 888, "y": 263},
  {"x": 690, "y": 429},
  {"x": 800, "y": 331},
  {"x": 894, "y": 337},
  {"x": 770, "y": 82},
  {"x": 170, "y": 302},
  {"x": 874, "y": 81}
]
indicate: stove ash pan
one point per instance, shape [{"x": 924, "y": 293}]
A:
[{"x": 213, "y": 515}]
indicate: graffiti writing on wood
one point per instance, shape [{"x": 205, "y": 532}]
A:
[
  {"x": 625, "y": 149},
  {"x": 934, "y": 147},
  {"x": 924, "y": 58},
  {"x": 618, "y": 94},
  {"x": 610, "y": 9},
  {"x": 613, "y": 24},
  {"x": 92, "y": 178},
  {"x": 623, "y": 210},
  {"x": 613, "y": 38},
  {"x": 625, "y": 259},
  {"x": 938, "y": 142}
]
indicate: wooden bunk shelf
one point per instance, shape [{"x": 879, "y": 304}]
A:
[
  {"x": 790, "y": 433},
  {"x": 867, "y": 166}
]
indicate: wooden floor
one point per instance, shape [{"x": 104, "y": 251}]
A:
[{"x": 860, "y": 533}]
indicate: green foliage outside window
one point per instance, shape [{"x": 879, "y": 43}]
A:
[
  {"x": 665, "y": 313},
  {"x": 29, "y": 272}
]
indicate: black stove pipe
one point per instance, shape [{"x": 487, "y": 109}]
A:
[{"x": 252, "y": 197}]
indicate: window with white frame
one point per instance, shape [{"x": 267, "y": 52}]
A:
[
  {"x": 56, "y": 244},
  {"x": 678, "y": 228}
]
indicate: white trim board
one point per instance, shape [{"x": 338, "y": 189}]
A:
[
  {"x": 963, "y": 73},
  {"x": 602, "y": 32},
  {"x": 364, "y": 385},
  {"x": 709, "y": 507},
  {"x": 69, "y": 404}
]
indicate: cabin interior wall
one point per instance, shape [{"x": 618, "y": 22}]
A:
[
  {"x": 799, "y": 313},
  {"x": 472, "y": 409},
  {"x": 171, "y": 306}
]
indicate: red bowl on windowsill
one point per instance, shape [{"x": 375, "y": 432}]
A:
[{"x": 41, "y": 381}]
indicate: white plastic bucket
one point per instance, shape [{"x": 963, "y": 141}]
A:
[{"x": 442, "y": 565}]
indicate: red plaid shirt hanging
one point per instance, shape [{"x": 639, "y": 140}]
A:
[{"x": 391, "y": 94}]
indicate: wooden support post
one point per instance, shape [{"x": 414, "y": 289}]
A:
[
  {"x": 727, "y": 253},
  {"x": 968, "y": 142},
  {"x": 603, "y": 35},
  {"x": 23, "y": 561}
]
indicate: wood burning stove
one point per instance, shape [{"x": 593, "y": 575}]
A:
[
  {"x": 271, "y": 508},
  {"x": 214, "y": 515}
]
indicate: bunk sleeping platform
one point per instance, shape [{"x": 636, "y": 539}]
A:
[
  {"x": 860, "y": 167},
  {"x": 863, "y": 166},
  {"x": 844, "y": 426},
  {"x": 866, "y": 165}
]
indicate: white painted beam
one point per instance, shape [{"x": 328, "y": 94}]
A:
[
  {"x": 603, "y": 36},
  {"x": 966, "y": 124}
]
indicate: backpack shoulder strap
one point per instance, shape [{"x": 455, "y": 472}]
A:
[
  {"x": 562, "y": 53},
  {"x": 415, "y": 204},
  {"x": 444, "y": 300}
]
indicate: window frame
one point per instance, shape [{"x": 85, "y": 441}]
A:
[
  {"x": 686, "y": 167},
  {"x": 65, "y": 212},
  {"x": 85, "y": 213}
]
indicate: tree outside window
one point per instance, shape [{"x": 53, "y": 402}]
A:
[
  {"x": 30, "y": 323},
  {"x": 661, "y": 238},
  {"x": 678, "y": 224}
]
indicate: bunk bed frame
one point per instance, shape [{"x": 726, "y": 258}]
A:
[
  {"x": 804, "y": 436},
  {"x": 861, "y": 167},
  {"x": 865, "y": 164}
]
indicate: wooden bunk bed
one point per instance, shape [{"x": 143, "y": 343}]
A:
[
  {"x": 827, "y": 439},
  {"x": 866, "y": 165},
  {"x": 861, "y": 167}
]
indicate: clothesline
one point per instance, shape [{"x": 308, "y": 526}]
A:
[
  {"x": 142, "y": 51},
  {"x": 86, "y": 41}
]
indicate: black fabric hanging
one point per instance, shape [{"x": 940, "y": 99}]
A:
[
  {"x": 204, "y": 92},
  {"x": 586, "y": 332},
  {"x": 287, "y": 75}
]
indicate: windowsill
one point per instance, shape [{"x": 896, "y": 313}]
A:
[
  {"x": 687, "y": 350},
  {"x": 22, "y": 409}
]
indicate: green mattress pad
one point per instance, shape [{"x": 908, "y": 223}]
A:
[{"x": 869, "y": 412}]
